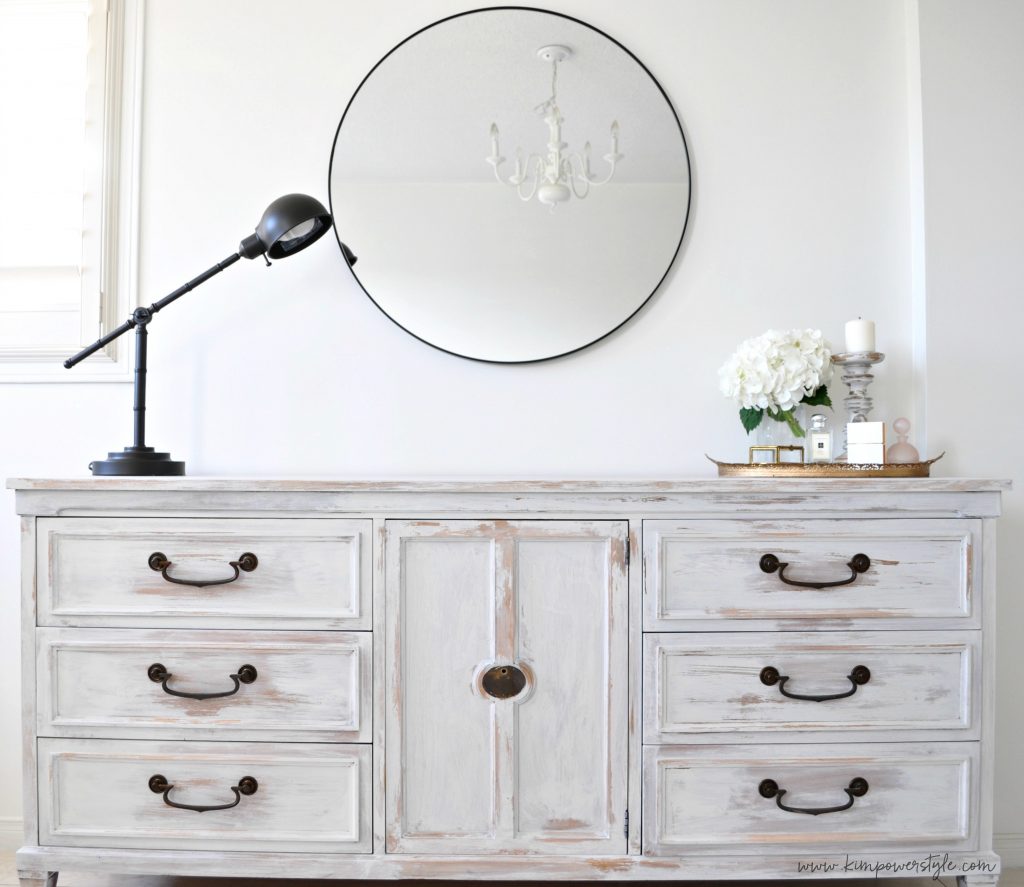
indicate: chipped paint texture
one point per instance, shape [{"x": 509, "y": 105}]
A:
[
  {"x": 311, "y": 573},
  {"x": 705, "y": 570},
  {"x": 920, "y": 682},
  {"x": 637, "y": 612},
  {"x": 919, "y": 794},
  {"x": 540, "y": 772}
]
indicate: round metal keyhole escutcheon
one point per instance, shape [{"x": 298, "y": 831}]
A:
[{"x": 503, "y": 681}]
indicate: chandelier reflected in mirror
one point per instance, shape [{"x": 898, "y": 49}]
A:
[{"x": 553, "y": 178}]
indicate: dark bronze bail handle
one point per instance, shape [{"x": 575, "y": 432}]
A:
[
  {"x": 246, "y": 563},
  {"x": 159, "y": 785},
  {"x": 860, "y": 675},
  {"x": 160, "y": 675},
  {"x": 857, "y": 788},
  {"x": 859, "y": 563},
  {"x": 503, "y": 681}
]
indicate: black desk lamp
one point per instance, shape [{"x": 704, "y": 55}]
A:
[{"x": 290, "y": 224}]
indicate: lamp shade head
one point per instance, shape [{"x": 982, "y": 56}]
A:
[{"x": 289, "y": 224}]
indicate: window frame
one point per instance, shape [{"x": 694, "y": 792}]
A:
[{"x": 110, "y": 208}]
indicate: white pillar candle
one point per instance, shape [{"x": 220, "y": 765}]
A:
[{"x": 860, "y": 335}]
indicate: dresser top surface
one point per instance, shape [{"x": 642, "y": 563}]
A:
[{"x": 634, "y": 486}]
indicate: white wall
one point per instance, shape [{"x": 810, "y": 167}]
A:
[
  {"x": 973, "y": 91},
  {"x": 796, "y": 113}
]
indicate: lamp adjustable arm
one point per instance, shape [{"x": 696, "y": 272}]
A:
[
  {"x": 144, "y": 315},
  {"x": 101, "y": 342}
]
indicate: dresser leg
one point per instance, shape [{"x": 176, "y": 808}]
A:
[
  {"x": 36, "y": 879},
  {"x": 977, "y": 880}
]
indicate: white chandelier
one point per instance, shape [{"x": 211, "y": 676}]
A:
[{"x": 558, "y": 174}]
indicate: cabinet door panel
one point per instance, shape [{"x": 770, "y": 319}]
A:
[
  {"x": 442, "y": 641},
  {"x": 561, "y": 734},
  {"x": 543, "y": 770}
]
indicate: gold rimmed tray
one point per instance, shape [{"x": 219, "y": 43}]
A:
[{"x": 824, "y": 469}]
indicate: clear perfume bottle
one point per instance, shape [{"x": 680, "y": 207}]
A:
[{"x": 820, "y": 438}]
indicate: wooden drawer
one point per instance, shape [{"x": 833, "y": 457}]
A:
[
  {"x": 712, "y": 684},
  {"x": 707, "y": 574},
  {"x": 311, "y": 573},
  {"x": 707, "y": 799},
  {"x": 307, "y": 685},
  {"x": 309, "y": 797}
]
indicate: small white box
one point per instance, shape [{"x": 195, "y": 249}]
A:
[
  {"x": 865, "y": 453},
  {"x": 865, "y": 433},
  {"x": 865, "y": 443}
]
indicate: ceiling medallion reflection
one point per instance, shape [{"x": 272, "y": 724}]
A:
[{"x": 558, "y": 175}]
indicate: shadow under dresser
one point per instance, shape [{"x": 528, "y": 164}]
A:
[{"x": 509, "y": 680}]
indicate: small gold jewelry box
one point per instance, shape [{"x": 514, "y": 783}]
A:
[{"x": 773, "y": 455}]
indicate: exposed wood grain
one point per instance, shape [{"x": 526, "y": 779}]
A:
[
  {"x": 758, "y": 485},
  {"x": 541, "y": 772},
  {"x": 776, "y": 866},
  {"x": 706, "y": 800},
  {"x": 535, "y": 573},
  {"x": 977, "y": 880},
  {"x": 311, "y": 796},
  {"x": 986, "y": 778},
  {"x": 311, "y": 573},
  {"x": 49, "y": 879},
  {"x": 923, "y": 683},
  {"x": 705, "y": 570},
  {"x": 30, "y": 802},
  {"x": 309, "y": 685},
  {"x": 702, "y": 499}
]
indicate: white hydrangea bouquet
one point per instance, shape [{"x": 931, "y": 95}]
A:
[{"x": 772, "y": 373}]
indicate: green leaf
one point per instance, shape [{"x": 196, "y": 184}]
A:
[
  {"x": 820, "y": 398},
  {"x": 751, "y": 418}
]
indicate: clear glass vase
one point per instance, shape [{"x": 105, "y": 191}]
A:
[{"x": 775, "y": 433}]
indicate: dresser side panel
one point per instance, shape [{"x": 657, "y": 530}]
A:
[{"x": 29, "y": 570}]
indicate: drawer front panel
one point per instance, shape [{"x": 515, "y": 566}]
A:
[
  {"x": 712, "y": 683},
  {"x": 309, "y": 797},
  {"x": 708, "y": 799},
  {"x": 305, "y": 685},
  {"x": 705, "y": 571},
  {"x": 310, "y": 573}
]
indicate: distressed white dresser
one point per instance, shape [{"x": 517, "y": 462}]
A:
[{"x": 706, "y": 679}]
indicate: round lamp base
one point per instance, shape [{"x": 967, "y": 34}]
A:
[{"x": 137, "y": 461}]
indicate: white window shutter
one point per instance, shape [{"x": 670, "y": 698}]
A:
[{"x": 69, "y": 82}]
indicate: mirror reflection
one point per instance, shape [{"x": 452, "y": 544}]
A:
[{"x": 514, "y": 183}]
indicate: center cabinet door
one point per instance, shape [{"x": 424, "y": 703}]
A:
[{"x": 543, "y": 770}]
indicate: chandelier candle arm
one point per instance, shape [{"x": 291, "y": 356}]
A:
[{"x": 559, "y": 174}]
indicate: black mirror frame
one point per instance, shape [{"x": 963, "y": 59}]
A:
[{"x": 686, "y": 152}]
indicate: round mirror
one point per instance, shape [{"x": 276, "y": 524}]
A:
[{"x": 514, "y": 183}]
